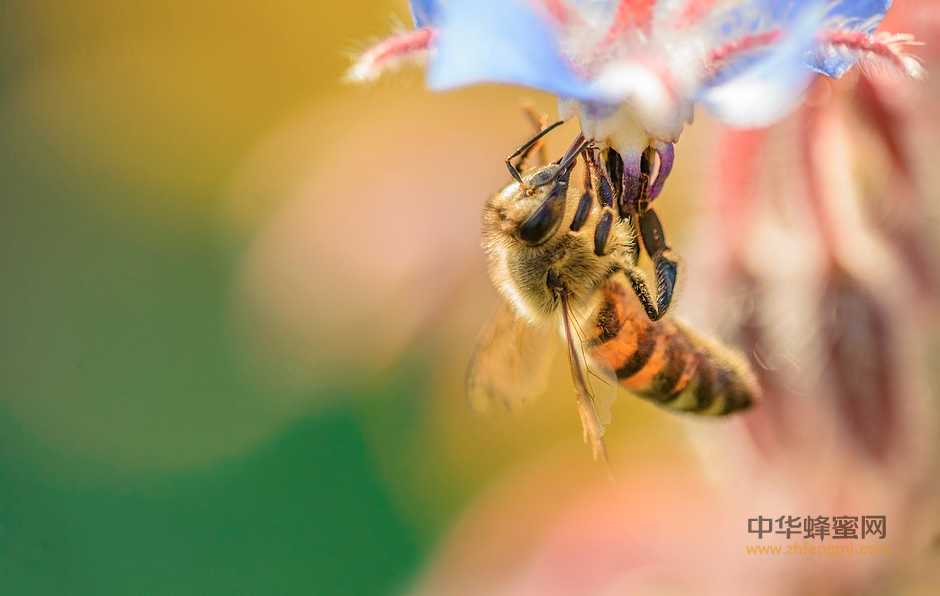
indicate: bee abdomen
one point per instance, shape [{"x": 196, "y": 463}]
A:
[{"x": 669, "y": 364}]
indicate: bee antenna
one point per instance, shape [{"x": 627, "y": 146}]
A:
[{"x": 513, "y": 171}]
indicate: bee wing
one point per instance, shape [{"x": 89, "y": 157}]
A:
[
  {"x": 595, "y": 383},
  {"x": 510, "y": 362}
]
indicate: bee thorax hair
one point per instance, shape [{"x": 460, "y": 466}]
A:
[{"x": 531, "y": 278}]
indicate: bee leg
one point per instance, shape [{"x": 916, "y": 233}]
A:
[
  {"x": 633, "y": 249},
  {"x": 667, "y": 269},
  {"x": 599, "y": 180},
  {"x": 587, "y": 197},
  {"x": 610, "y": 180},
  {"x": 605, "y": 191},
  {"x": 666, "y": 266},
  {"x": 584, "y": 209},
  {"x": 650, "y": 228},
  {"x": 600, "y": 190},
  {"x": 614, "y": 171},
  {"x": 641, "y": 288},
  {"x": 602, "y": 232}
]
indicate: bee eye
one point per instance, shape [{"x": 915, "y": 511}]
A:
[
  {"x": 542, "y": 178},
  {"x": 545, "y": 220}
]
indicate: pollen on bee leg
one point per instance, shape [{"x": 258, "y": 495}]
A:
[{"x": 389, "y": 53}]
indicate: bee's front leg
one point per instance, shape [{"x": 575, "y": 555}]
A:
[{"x": 597, "y": 178}]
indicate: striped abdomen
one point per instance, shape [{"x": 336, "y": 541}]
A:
[{"x": 668, "y": 363}]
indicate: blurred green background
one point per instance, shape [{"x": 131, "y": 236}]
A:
[
  {"x": 173, "y": 421},
  {"x": 135, "y": 456}
]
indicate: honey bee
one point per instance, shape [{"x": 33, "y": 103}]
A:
[{"x": 564, "y": 259}]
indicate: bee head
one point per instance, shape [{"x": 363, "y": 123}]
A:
[{"x": 534, "y": 208}]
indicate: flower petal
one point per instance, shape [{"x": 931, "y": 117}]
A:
[
  {"x": 425, "y": 12},
  {"x": 760, "y": 16},
  {"x": 862, "y": 16},
  {"x": 764, "y": 89},
  {"x": 859, "y": 15},
  {"x": 854, "y": 15},
  {"x": 501, "y": 41}
]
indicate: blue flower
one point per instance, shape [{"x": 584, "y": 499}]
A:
[{"x": 632, "y": 70}]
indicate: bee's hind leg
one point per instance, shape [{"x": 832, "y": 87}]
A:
[
  {"x": 641, "y": 183},
  {"x": 664, "y": 263},
  {"x": 641, "y": 288}
]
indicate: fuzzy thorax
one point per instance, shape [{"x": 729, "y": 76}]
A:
[{"x": 520, "y": 272}]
